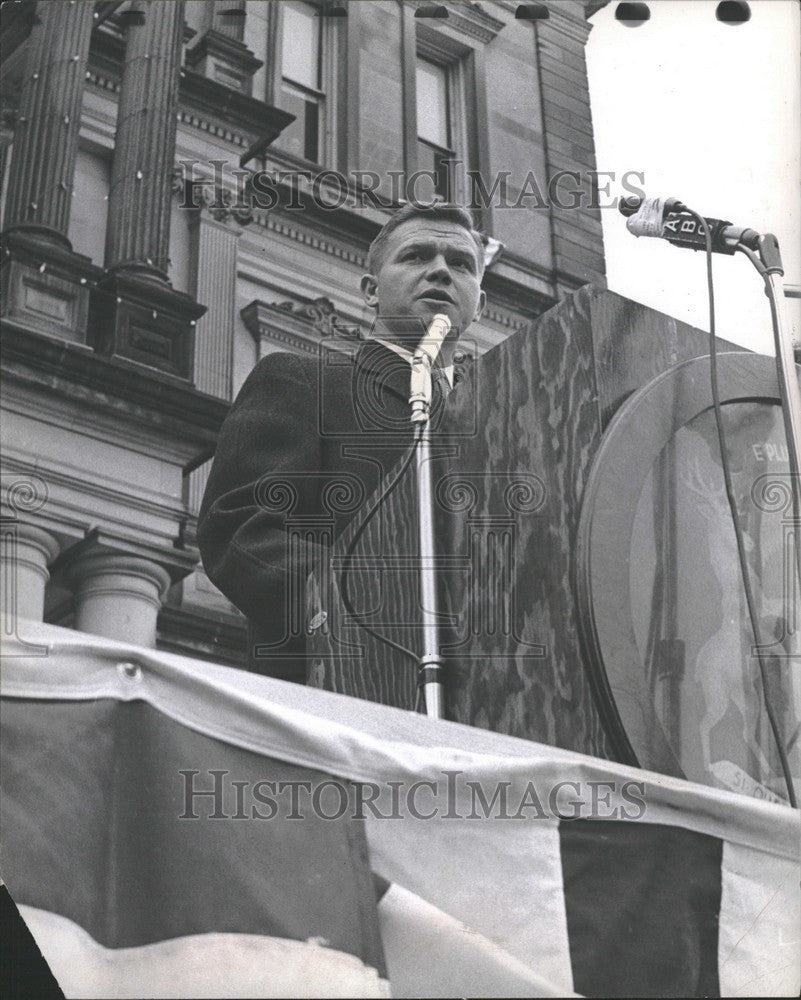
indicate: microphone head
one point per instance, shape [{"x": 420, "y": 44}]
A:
[
  {"x": 437, "y": 331},
  {"x": 439, "y": 327},
  {"x": 628, "y": 206}
]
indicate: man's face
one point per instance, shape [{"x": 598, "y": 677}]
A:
[{"x": 429, "y": 267}]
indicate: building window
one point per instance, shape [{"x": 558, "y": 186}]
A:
[
  {"x": 302, "y": 75},
  {"x": 434, "y": 132}
]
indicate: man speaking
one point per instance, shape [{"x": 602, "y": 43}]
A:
[{"x": 300, "y": 423}]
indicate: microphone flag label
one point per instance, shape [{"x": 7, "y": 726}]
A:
[{"x": 649, "y": 218}]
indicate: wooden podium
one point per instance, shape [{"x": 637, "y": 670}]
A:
[{"x": 523, "y": 506}]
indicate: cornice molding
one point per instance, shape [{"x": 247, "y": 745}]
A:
[
  {"x": 504, "y": 318},
  {"x": 144, "y": 395},
  {"x": 301, "y": 325},
  {"x": 103, "y": 80},
  {"x": 71, "y": 514},
  {"x": 283, "y": 227},
  {"x": 243, "y": 115},
  {"x": 204, "y": 104},
  {"x": 220, "y": 204},
  {"x": 574, "y": 24},
  {"x": 210, "y": 127},
  {"x": 560, "y": 20},
  {"x": 467, "y": 18}
]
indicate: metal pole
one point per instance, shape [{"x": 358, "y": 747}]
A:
[
  {"x": 788, "y": 377},
  {"x": 430, "y": 672},
  {"x": 791, "y": 404},
  {"x": 431, "y": 668}
]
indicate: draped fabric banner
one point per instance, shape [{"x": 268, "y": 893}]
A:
[{"x": 175, "y": 828}]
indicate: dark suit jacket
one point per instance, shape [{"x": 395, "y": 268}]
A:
[{"x": 298, "y": 427}]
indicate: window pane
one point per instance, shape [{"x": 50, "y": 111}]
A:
[
  {"x": 311, "y": 130},
  {"x": 437, "y": 163},
  {"x": 300, "y": 49},
  {"x": 432, "y": 102},
  {"x": 301, "y": 137}
]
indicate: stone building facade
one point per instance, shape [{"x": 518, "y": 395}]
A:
[{"x": 190, "y": 184}]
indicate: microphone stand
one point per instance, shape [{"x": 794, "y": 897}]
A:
[
  {"x": 667, "y": 218},
  {"x": 785, "y": 360},
  {"x": 431, "y": 669},
  {"x": 769, "y": 265}
]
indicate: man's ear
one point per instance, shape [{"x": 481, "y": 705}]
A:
[
  {"x": 482, "y": 301},
  {"x": 369, "y": 287}
]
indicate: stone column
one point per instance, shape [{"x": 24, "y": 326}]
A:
[
  {"x": 217, "y": 239},
  {"x": 46, "y": 135},
  {"x": 217, "y": 234},
  {"x": 137, "y": 314},
  {"x": 45, "y": 286},
  {"x": 27, "y": 551},
  {"x": 139, "y": 200},
  {"x": 217, "y": 227},
  {"x": 118, "y": 596}
]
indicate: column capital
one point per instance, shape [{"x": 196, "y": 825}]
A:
[
  {"x": 118, "y": 595},
  {"x": 112, "y": 573},
  {"x": 27, "y": 551},
  {"x": 216, "y": 204},
  {"x": 39, "y": 541}
]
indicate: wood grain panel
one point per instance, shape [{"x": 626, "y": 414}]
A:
[
  {"x": 634, "y": 343},
  {"x": 514, "y": 452}
]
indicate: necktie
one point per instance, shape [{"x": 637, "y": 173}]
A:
[{"x": 439, "y": 378}]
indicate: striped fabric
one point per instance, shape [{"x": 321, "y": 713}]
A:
[{"x": 174, "y": 828}]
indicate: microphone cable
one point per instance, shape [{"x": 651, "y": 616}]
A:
[
  {"x": 794, "y": 471},
  {"x": 347, "y": 561},
  {"x": 741, "y": 554}
]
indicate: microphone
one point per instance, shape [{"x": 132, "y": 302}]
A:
[
  {"x": 669, "y": 219},
  {"x": 424, "y": 357}
]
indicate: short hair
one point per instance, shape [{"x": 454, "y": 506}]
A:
[{"x": 440, "y": 211}]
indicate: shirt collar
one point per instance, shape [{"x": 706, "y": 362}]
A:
[{"x": 408, "y": 356}]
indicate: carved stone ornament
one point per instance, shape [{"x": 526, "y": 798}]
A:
[
  {"x": 322, "y": 315},
  {"x": 219, "y": 202}
]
